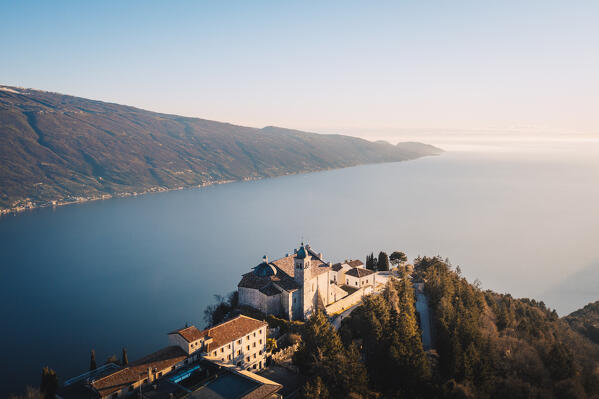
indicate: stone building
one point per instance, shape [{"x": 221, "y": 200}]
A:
[
  {"x": 293, "y": 286},
  {"x": 239, "y": 342}
]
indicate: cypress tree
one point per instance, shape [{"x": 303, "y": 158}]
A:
[
  {"x": 92, "y": 361},
  {"x": 49, "y": 383},
  {"x": 383, "y": 262},
  {"x": 124, "y": 359}
]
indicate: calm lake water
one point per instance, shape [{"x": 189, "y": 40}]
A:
[{"x": 522, "y": 218}]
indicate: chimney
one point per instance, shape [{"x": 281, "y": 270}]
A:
[
  {"x": 265, "y": 259},
  {"x": 320, "y": 255}
]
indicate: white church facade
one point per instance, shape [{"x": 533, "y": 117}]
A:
[{"x": 294, "y": 286}]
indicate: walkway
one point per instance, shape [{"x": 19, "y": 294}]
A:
[
  {"x": 425, "y": 318},
  {"x": 336, "y": 322}
]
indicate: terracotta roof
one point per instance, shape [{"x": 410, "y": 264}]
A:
[
  {"x": 337, "y": 266},
  {"x": 359, "y": 272},
  {"x": 355, "y": 263},
  {"x": 189, "y": 334},
  {"x": 138, "y": 370},
  {"x": 284, "y": 276},
  {"x": 270, "y": 290},
  {"x": 285, "y": 264},
  {"x": 231, "y": 330},
  {"x": 251, "y": 280}
]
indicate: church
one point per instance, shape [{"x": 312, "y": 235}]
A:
[{"x": 294, "y": 286}]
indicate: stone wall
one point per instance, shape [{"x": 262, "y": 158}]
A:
[{"x": 349, "y": 300}]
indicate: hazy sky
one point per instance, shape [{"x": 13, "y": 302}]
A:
[{"x": 328, "y": 66}]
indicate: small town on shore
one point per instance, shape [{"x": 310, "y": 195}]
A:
[{"x": 249, "y": 354}]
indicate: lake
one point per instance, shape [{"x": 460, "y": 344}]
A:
[{"x": 521, "y": 217}]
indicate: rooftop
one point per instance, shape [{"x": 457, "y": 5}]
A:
[
  {"x": 190, "y": 334},
  {"x": 231, "y": 330},
  {"x": 355, "y": 263},
  {"x": 359, "y": 272},
  {"x": 162, "y": 359}
]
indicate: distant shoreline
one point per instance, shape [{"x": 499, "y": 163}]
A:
[{"x": 30, "y": 205}]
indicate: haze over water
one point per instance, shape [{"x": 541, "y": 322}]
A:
[{"x": 520, "y": 215}]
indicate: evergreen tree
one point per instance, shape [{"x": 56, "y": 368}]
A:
[
  {"x": 371, "y": 262},
  {"x": 92, "y": 361},
  {"x": 398, "y": 258},
  {"x": 124, "y": 358},
  {"x": 383, "y": 262},
  {"x": 322, "y": 354},
  {"x": 315, "y": 389},
  {"x": 49, "y": 383}
]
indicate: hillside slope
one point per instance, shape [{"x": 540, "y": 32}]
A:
[
  {"x": 586, "y": 321},
  {"x": 55, "y": 147}
]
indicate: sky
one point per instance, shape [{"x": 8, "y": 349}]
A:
[{"x": 362, "y": 68}]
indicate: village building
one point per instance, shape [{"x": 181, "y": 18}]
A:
[
  {"x": 338, "y": 270},
  {"x": 239, "y": 342},
  {"x": 360, "y": 277},
  {"x": 294, "y": 286}
]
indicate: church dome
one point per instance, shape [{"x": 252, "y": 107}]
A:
[
  {"x": 302, "y": 253},
  {"x": 264, "y": 270}
]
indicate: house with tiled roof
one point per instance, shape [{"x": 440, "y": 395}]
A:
[
  {"x": 240, "y": 342},
  {"x": 295, "y": 285},
  {"x": 359, "y": 277}
]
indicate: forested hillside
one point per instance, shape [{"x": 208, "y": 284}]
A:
[
  {"x": 586, "y": 321},
  {"x": 55, "y": 147},
  {"x": 486, "y": 345}
]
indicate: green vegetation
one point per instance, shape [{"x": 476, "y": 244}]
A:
[
  {"x": 92, "y": 361},
  {"x": 383, "y": 262},
  {"x": 124, "y": 358},
  {"x": 49, "y": 383},
  {"x": 62, "y": 148},
  {"x": 386, "y": 325},
  {"x": 586, "y": 321},
  {"x": 333, "y": 369},
  {"x": 398, "y": 258},
  {"x": 371, "y": 262},
  {"x": 494, "y": 346},
  {"x": 486, "y": 345}
]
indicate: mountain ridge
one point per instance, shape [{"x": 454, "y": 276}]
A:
[{"x": 57, "y": 149}]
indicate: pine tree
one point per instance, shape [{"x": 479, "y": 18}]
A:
[
  {"x": 397, "y": 258},
  {"x": 124, "y": 358},
  {"x": 92, "y": 361}
]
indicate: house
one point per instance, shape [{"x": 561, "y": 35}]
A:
[
  {"x": 203, "y": 379},
  {"x": 360, "y": 277},
  {"x": 338, "y": 270},
  {"x": 239, "y": 342},
  {"x": 291, "y": 287},
  {"x": 141, "y": 372}
]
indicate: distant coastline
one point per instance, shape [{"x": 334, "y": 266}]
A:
[{"x": 29, "y": 205}]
